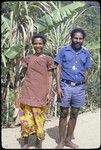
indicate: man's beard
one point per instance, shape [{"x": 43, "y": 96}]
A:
[{"x": 76, "y": 46}]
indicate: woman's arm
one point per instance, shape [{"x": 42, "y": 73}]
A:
[{"x": 50, "y": 73}]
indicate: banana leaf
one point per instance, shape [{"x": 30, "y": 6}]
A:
[
  {"x": 56, "y": 17},
  {"x": 13, "y": 51}
]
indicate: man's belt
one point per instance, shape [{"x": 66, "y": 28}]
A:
[{"x": 72, "y": 83}]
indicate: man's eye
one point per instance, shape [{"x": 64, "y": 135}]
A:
[{"x": 78, "y": 38}]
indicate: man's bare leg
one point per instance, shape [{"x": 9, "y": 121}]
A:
[
  {"x": 73, "y": 137},
  {"x": 62, "y": 127},
  {"x": 71, "y": 126}
]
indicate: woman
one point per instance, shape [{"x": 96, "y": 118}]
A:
[{"x": 36, "y": 91}]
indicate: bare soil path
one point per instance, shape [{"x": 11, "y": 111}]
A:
[{"x": 87, "y": 133}]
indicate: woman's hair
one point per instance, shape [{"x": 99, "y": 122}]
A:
[
  {"x": 78, "y": 30},
  {"x": 39, "y": 36}
]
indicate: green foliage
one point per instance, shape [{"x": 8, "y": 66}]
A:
[
  {"x": 13, "y": 51},
  {"x": 7, "y": 110},
  {"x": 55, "y": 19},
  {"x": 45, "y": 23}
]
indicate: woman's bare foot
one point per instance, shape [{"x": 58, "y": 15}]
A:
[
  {"x": 24, "y": 146},
  {"x": 71, "y": 144},
  {"x": 38, "y": 144}
]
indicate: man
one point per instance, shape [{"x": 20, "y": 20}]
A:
[{"x": 73, "y": 62}]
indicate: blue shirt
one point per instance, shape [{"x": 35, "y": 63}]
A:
[{"x": 73, "y": 63}]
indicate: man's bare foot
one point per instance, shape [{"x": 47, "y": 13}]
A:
[
  {"x": 71, "y": 144},
  {"x": 72, "y": 137},
  {"x": 60, "y": 145}
]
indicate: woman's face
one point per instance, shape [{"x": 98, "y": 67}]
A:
[{"x": 38, "y": 45}]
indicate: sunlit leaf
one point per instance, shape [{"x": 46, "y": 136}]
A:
[{"x": 13, "y": 51}]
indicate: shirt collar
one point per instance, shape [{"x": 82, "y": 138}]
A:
[{"x": 69, "y": 48}]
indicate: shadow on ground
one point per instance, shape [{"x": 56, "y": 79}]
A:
[
  {"x": 31, "y": 141},
  {"x": 53, "y": 133}
]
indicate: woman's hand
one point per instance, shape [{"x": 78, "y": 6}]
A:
[
  {"x": 59, "y": 93},
  {"x": 48, "y": 98}
]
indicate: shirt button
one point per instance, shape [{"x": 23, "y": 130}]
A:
[{"x": 76, "y": 61}]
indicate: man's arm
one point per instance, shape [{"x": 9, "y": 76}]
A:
[
  {"x": 88, "y": 66},
  {"x": 86, "y": 75},
  {"x": 58, "y": 72}
]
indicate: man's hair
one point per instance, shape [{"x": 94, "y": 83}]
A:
[
  {"x": 39, "y": 36},
  {"x": 78, "y": 30}
]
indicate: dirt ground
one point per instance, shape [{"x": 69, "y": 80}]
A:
[{"x": 87, "y": 133}]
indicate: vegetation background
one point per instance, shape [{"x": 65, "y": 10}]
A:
[{"x": 55, "y": 19}]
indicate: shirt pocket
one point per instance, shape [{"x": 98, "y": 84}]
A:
[
  {"x": 68, "y": 58},
  {"x": 82, "y": 59}
]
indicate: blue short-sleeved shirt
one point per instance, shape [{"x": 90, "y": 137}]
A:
[{"x": 73, "y": 63}]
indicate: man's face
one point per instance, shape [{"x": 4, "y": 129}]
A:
[
  {"x": 38, "y": 45},
  {"x": 77, "y": 40}
]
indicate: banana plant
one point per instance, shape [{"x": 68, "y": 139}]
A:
[
  {"x": 45, "y": 23},
  {"x": 18, "y": 28},
  {"x": 56, "y": 17},
  {"x": 60, "y": 35}
]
